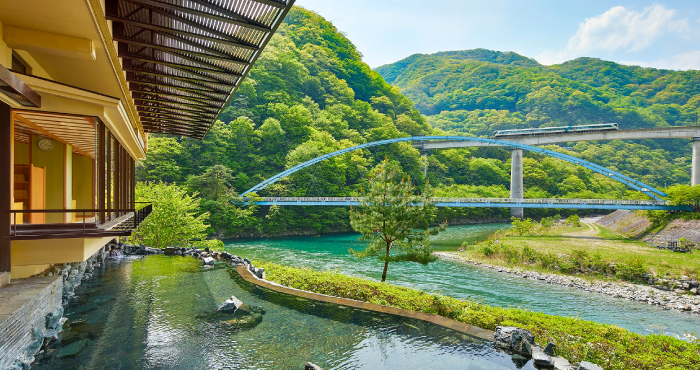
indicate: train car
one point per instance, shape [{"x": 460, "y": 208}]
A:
[{"x": 556, "y": 130}]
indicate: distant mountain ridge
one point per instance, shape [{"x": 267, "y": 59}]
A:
[
  {"x": 476, "y": 92},
  {"x": 391, "y": 71}
]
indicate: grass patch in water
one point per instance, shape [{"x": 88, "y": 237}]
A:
[{"x": 608, "y": 345}]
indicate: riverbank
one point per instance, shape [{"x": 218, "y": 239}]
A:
[
  {"x": 633, "y": 292},
  {"x": 577, "y": 340}
]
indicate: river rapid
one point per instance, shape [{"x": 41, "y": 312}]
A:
[{"x": 330, "y": 252}]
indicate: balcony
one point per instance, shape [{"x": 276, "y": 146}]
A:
[
  {"x": 72, "y": 178},
  {"x": 119, "y": 222}
]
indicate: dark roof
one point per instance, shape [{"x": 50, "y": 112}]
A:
[{"x": 185, "y": 58}]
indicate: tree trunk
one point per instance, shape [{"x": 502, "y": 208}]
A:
[{"x": 386, "y": 263}]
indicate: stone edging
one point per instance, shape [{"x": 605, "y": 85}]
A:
[
  {"x": 631, "y": 292},
  {"x": 461, "y": 327}
]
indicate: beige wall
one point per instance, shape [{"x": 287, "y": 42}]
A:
[
  {"x": 21, "y": 153},
  {"x": 82, "y": 181},
  {"x": 53, "y": 161},
  {"x": 31, "y": 257}
]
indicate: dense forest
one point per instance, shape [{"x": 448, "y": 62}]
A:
[
  {"x": 310, "y": 93},
  {"x": 476, "y": 92}
]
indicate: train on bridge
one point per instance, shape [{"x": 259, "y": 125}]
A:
[{"x": 555, "y": 130}]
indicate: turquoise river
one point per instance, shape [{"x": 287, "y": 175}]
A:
[{"x": 330, "y": 252}]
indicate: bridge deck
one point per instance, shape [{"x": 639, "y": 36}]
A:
[
  {"x": 487, "y": 202},
  {"x": 685, "y": 132}
]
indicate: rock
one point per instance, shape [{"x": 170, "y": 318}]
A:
[
  {"x": 311, "y": 366},
  {"x": 260, "y": 273},
  {"x": 72, "y": 349},
  {"x": 247, "y": 261},
  {"x": 519, "y": 360},
  {"x": 549, "y": 349},
  {"x": 208, "y": 261},
  {"x": 170, "y": 251},
  {"x": 679, "y": 291},
  {"x": 541, "y": 359},
  {"x": 514, "y": 340},
  {"x": 694, "y": 291},
  {"x": 585, "y": 365},
  {"x": 230, "y": 305},
  {"x": 560, "y": 363}
]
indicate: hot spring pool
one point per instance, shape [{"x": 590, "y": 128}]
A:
[{"x": 156, "y": 313}]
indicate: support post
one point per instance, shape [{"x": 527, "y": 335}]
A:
[
  {"x": 695, "y": 166},
  {"x": 101, "y": 169},
  {"x": 516, "y": 180},
  {"x": 6, "y": 152},
  {"x": 424, "y": 162}
]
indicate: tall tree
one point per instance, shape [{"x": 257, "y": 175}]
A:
[
  {"x": 394, "y": 220},
  {"x": 174, "y": 221}
]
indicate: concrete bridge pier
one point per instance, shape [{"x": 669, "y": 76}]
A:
[
  {"x": 516, "y": 180},
  {"x": 424, "y": 162},
  {"x": 695, "y": 166}
]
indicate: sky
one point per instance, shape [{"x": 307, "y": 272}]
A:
[{"x": 661, "y": 34}]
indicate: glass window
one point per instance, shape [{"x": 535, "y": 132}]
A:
[{"x": 17, "y": 65}]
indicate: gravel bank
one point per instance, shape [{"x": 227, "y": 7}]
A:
[{"x": 666, "y": 299}]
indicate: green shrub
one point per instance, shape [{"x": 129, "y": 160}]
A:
[
  {"x": 635, "y": 271},
  {"x": 610, "y": 346}
]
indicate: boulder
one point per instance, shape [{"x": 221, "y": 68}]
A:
[
  {"x": 230, "y": 305},
  {"x": 170, "y": 251},
  {"x": 549, "y": 349},
  {"x": 560, "y": 363},
  {"x": 585, "y": 365},
  {"x": 541, "y": 359},
  {"x": 208, "y": 261},
  {"x": 680, "y": 291},
  {"x": 514, "y": 340},
  {"x": 260, "y": 273},
  {"x": 247, "y": 261},
  {"x": 694, "y": 291},
  {"x": 311, "y": 366}
]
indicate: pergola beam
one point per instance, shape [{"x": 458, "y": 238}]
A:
[
  {"x": 179, "y": 52},
  {"x": 169, "y": 30},
  {"x": 241, "y": 21},
  {"x": 174, "y": 77}
]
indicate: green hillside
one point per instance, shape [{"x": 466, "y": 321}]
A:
[
  {"x": 309, "y": 94},
  {"x": 476, "y": 92}
]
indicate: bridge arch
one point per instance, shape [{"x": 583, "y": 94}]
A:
[{"x": 634, "y": 184}]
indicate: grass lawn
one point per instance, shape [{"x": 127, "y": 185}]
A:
[{"x": 596, "y": 241}]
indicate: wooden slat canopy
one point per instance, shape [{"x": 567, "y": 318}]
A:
[
  {"x": 77, "y": 131},
  {"x": 185, "y": 58}
]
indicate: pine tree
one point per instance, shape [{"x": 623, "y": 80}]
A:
[{"x": 394, "y": 220}]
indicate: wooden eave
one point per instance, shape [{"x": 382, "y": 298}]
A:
[{"x": 185, "y": 58}]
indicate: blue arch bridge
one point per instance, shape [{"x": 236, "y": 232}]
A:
[{"x": 516, "y": 202}]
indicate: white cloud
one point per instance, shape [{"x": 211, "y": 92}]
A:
[
  {"x": 619, "y": 29},
  {"x": 683, "y": 62}
]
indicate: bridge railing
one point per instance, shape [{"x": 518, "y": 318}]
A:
[{"x": 483, "y": 200}]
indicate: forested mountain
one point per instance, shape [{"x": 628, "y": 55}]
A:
[
  {"x": 309, "y": 94},
  {"x": 479, "y": 91}
]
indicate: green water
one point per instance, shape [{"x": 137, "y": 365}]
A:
[
  {"x": 330, "y": 252},
  {"x": 159, "y": 313}
]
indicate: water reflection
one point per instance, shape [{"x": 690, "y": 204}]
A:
[{"x": 156, "y": 313}]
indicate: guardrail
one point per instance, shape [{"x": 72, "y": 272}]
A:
[
  {"x": 131, "y": 216},
  {"x": 482, "y": 200}
]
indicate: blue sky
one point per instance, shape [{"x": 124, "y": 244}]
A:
[{"x": 661, "y": 34}]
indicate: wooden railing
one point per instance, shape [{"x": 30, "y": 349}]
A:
[{"x": 118, "y": 220}]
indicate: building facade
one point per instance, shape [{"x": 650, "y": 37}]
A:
[{"x": 82, "y": 84}]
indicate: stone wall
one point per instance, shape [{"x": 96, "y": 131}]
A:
[
  {"x": 30, "y": 310},
  {"x": 627, "y": 223}
]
